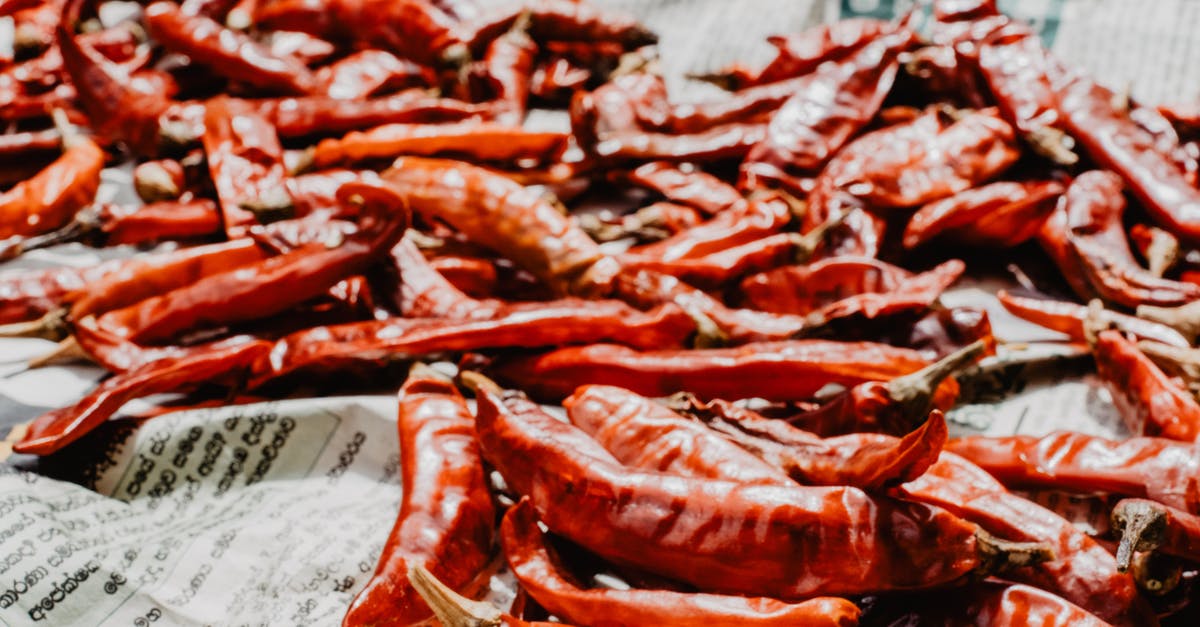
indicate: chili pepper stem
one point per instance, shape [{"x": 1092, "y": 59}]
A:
[
  {"x": 475, "y": 381},
  {"x": 1141, "y": 525},
  {"x": 997, "y": 555},
  {"x": 1162, "y": 254},
  {"x": 451, "y": 608},
  {"x": 1185, "y": 318},
  {"x": 49, "y": 327},
  {"x": 1052, "y": 144},
  {"x": 808, "y": 243},
  {"x": 67, "y": 351},
  {"x": 914, "y": 392}
]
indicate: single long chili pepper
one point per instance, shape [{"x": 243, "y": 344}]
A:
[
  {"x": 299, "y": 117},
  {"x": 507, "y": 68},
  {"x": 720, "y": 267},
  {"x": 1094, "y": 208},
  {"x": 165, "y": 220},
  {"x": 559, "y": 19},
  {"x": 1148, "y": 401},
  {"x": 27, "y": 294},
  {"x": 915, "y": 293},
  {"x": 1054, "y": 239},
  {"x": 1145, "y": 525},
  {"x": 694, "y": 188},
  {"x": 424, "y": 293},
  {"x": 29, "y": 144},
  {"x": 894, "y": 407},
  {"x": 368, "y": 73},
  {"x": 538, "y": 569},
  {"x": 1003, "y": 214},
  {"x": 446, "y": 516},
  {"x": 644, "y": 434},
  {"x": 245, "y": 162},
  {"x": 482, "y": 142},
  {"x": 747, "y": 221},
  {"x": 200, "y": 364},
  {"x": 50, "y": 199},
  {"x": 986, "y": 603},
  {"x": 275, "y": 284},
  {"x": 1082, "y": 572},
  {"x": 454, "y": 610},
  {"x": 515, "y": 221},
  {"x": 801, "y": 289},
  {"x": 1155, "y": 468},
  {"x": 575, "y": 486},
  {"x": 724, "y": 141},
  {"x": 779, "y": 371},
  {"x": 1071, "y": 319}
]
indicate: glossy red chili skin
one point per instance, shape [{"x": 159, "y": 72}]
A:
[
  {"x": 694, "y": 188},
  {"x": 988, "y": 603},
  {"x": 1070, "y": 319},
  {"x": 575, "y": 487},
  {"x": 802, "y": 289},
  {"x": 446, "y": 516},
  {"x": 1149, "y": 402},
  {"x": 746, "y": 222},
  {"x": 716, "y": 269},
  {"x": 1002, "y": 214},
  {"x": 368, "y": 73},
  {"x": 245, "y": 162},
  {"x": 1054, "y": 239},
  {"x": 159, "y": 221},
  {"x": 28, "y": 294},
  {"x": 507, "y": 69},
  {"x": 477, "y": 142},
  {"x": 803, "y": 52},
  {"x": 51, "y": 197}
]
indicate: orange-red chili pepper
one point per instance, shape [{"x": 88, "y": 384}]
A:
[
  {"x": 1148, "y": 401},
  {"x": 470, "y": 140},
  {"x": 987, "y": 603},
  {"x": 694, "y": 188},
  {"x": 746, "y": 222},
  {"x": 245, "y": 161},
  {"x": 1071, "y": 319},
  {"x": 557, "y": 19},
  {"x": 368, "y": 73},
  {"x": 165, "y": 220},
  {"x": 28, "y": 294},
  {"x": 506, "y": 70},
  {"x": 537, "y": 568},
  {"x": 1003, "y": 214},
  {"x": 29, "y": 144},
  {"x": 1054, "y": 239},
  {"x": 50, "y": 198},
  {"x": 316, "y": 115},
  {"x": 446, "y": 517},
  {"x": 716, "y": 268},
  {"x": 802, "y": 289}
]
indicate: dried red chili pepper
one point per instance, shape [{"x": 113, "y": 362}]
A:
[
  {"x": 424, "y": 293},
  {"x": 987, "y": 603},
  {"x": 27, "y": 294},
  {"x": 50, "y": 199},
  {"x": 1071, "y": 319},
  {"x": 538, "y": 569},
  {"x": 694, "y": 188},
  {"x": 245, "y": 161},
  {"x": 515, "y": 221},
  {"x": 723, "y": 141},
  {"x": 454, "y": 610},
  {"x": 560, "y": 20},
  {"x": 1184, "y": 117},
  {"x": 481, "y": 278},
  {"x": 165, "y": 220},
  {"x": 474, "y": 141},
  {"x": 506, "y": 70},
  {"x": 801, "y": 289},
  {"x": 746, "y": 222},
  {"x": 1054, "y": 239},
  {"x": 446, "y": 516},
  {"x": 1082, "y": 571},
  {"x": 1094, "y": 206},
  {"x": 781, "y": 371},
  {"x": 719, "y": 267},
  {"x": 557, "y": 79},
  {"x": 368, "y": 73},
  {"x": 300, "y": 117},
  {"x": 1148, "y": 401},
  {"x": 1003, "y": 214},
  {"x": 1155, "y": 468},
  {"x": 1145, "y": 525},
  {"x": 574, "y": 485},
  {"x": 643, "y": 434}
]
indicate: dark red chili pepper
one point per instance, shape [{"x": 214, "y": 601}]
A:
[
  {"x": 730, "y": 264},
  {"x": 8, "y": 7},
  {"x": 780, "y": 371},
  {"x": 1054, "y": 238},
  {"x": 802, "y": 289},
  {"x": 446, "y": 516},
  {"x": 1148, "y": 401},
  {"x": 538, "y": 569},
  {"x": 50, "y": 198},
  {"x": 558, "y": 19},
  {"x": 515, "y": 221},
  {"x": 1094, "y": 208},
  {"x": 1145, "y": 525},
  {"x": 734, "y": 538},
  {"x": 694, "y": 188},
  {"x": 424, "y": 293},
  {"x": 723, "y": 141},
  {"x": 506, "y": 69},
  {"x": 481, "y": 278},
  {"x": 28, "y": 294},
  {"x": 300, "y": 117},
  {"x": 1071, "y": 319},
  {"x": 245, "y": 162},
  {"x": 165, "y": 220},
  {"x": 1184, "y": 117},
  {"x": 999, "y": 215},
  {"x": 987, "y": 603},
  {"x": 368, "y": 73},
  {"x": 454, "y": 610},
  {"x": 746, "y": 222},
  {"x": 916, "y": 293},
  {"x": 471, "y": 140},
  {"x": 943, "y": 75}
]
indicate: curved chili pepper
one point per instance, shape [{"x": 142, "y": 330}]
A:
[
  {"x": 643, "y": 434},
  {"x": 507, "y": 69},
  {"x": 561, "y": 20},
  {"x": 424, "y": 293},
  {"x": 455, "y": 610},
  {"x": 869, "y": 461},
  {"x": 1000, "y": 214},
  {"x": 1148, "y": 401},
  {"x": 369, "y": 73},
  {"x": 1071, "y": 319},
  {"x": 1149, "y": 526},
  {"x": 166, "y": 220},
  {"x": 515, "y": 221},
  {"x": 719, "y": 267},
  {"x": 300, "y": 117},
  {"x": 50, "y": 198},
  {"x": 1156, "y": 468},
  {"x": 746, "y": 222},
  {"x": 736, "y": 538},
  {"x": 694, "y": 188},
  {"x": 482, "y": 142},
  {"x": 226, "y": 52},
  {"x": 245, "y": 161},
  {"x": 28, "y": 294},
  {"x": 780, "y": 371},
  {"x": 538, "y": 569},
  {"x": 557, "y": 79},
  {"x": 1082, "y": 572},
  {"x": 1054, "y": 239},
  {"x": 446, "y": 515},
  {"x": 802, "y": 289},
  {"x": 1095, "y": 233},
  {"x": 481, "y": 278}
]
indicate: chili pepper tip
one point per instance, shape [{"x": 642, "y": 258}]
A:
[
  {"x": 1156, "y": 573},
  {"x": 1142, "y": 525},
  {"x": 451, "y": 608},
  {"x": 475, "y": 381},
  {"x": 67, "y": 350}
]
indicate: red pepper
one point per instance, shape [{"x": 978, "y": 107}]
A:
[
  {"x": 802, "y": 289},
  {"x": 28, "y": 144},
  {"x": 507, "y": 68},
  {"x": 477, "y": 142},
  {"x": 1054, "y": 238},
  {"x": 694, "y": 188},
  {"x": 368, "y": 73},
  {"x": 998, "y": 215},
  {"x": 724, "y": 141},
  {"x": 557, "y": 79},
  {"x": 1071, "y": 319},
  {"x": 446, "y": 516},
  {"x": 988, "y": 603},
  {"x": 1148, "y": 526},
  {"x": 166, "y": 220},
  {"x": 1148, "y": 401},
  {"x": 746, "y": 222},
  {"x": 50, "y": 199},
  {"x": 245, "y": 160},
  {"x": 424, "y": 293},
  {"x": 558, "y": 19},
  {"x": 713, "y": 269},
  {"x": 538, "y": 569}
]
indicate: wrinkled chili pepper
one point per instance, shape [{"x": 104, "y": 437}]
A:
[
  {"x": 746, "y": 222},
  {"x": 1003, "y": 214},
  {"x": 50, "y": 198},
  {"x": 159, "y": 221},
  {"x": 477, "y": 142},
  {"x": 791, "y": 370},
  {"x": 1071, "y": 319},
  {"x": 27, "y": 294},
  {"x": 538, "y": 569},
  {"x": 454, "y": 610},
  {"x": 368, "y": 73},
  {"x": 1148, "y": 401},
  {"x": 245, "y": 161},
  {"x": 801, "y": 289},
  {"x": 507, "y": 68},
  {"x": 574, "y": 485},
  {"x": 1054, "y": 239},
  {"x": 1145, "y": 525},
  {"x": 694, "y": 188},
  {"x": 299, "y": 117},
  {"x": 557, "y": 79},
  {"x": 559, "y": 19},
  {"x": 424, "y": 293},
  {"x": 515, "y": 221},
  {"x": 987, "y": 603},
  {"x": 1094, "y": 207},
  {"x": 446, "y": 516},
  {"x": 1082, "y": 571},
  {"x": 724, "y": 141}
]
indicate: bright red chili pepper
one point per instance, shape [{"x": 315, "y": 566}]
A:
[
  {"x": 802, "y": 289},
  {"x": 471, "y": 140},
  {"x": 245, "y": 161},
  {"x": 368, "y": 73},
  {"x": 159, "y": 221},
  {"x": 455, "y": 610},
  {"x": 694, "y": 188},
  {"x": 999, "y": 215},
  {"x": 1071, "y": 319},
  {"x": 50, "y": 198},
  {"x": 1148, "y": 401}
]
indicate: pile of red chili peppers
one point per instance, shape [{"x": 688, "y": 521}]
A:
[{"x": 753, "y": 384}]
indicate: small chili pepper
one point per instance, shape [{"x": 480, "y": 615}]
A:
[
  {"x": 507, "y": 69},
  {"x": 515, "y": 221},
  {"x": 1071, "y": 319},
  {"x": 720, "y": 267},
  {"x": 575, "y": 486},
  {"x": 1149, "y": 526},
  {"x": 869, "y": 461},
  {"x": 166, "y": 220},
  {"x": 747, "y": 221},
  {"x": 779, "y": 371},
  {"x": 916, "y": 293},
  {"x": 1054, "y": 239},
  {"x": 424, "y": 293},
  {"x": 1184, "y": 318},
  {"x": 987, "y": 603},
  {"x": 1082, "y": 571},
  {"x": 477, "y": 142},
  {"x": 538, "y": 569},
  {"x": 1159, "y": 248},
  {"x": 1148, "y": 401},
  {"x": 301, "y": 117},
  {"x": 643, "y": 434},
  {"x": 1094, "y": 206},
  {"x": 694, "y": 188},
  {"x": 801, "y": 289},
  {"x": 455, "y": 610},
  {"x": 446, "y": 515},
  {"x": 1155, "y": 468},
  {"x": 245, "y": 161},
  {"x": 894, "y": 407},
  {"x": 1000, "y": 214},
  {"x": 27, "y": 294}
]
